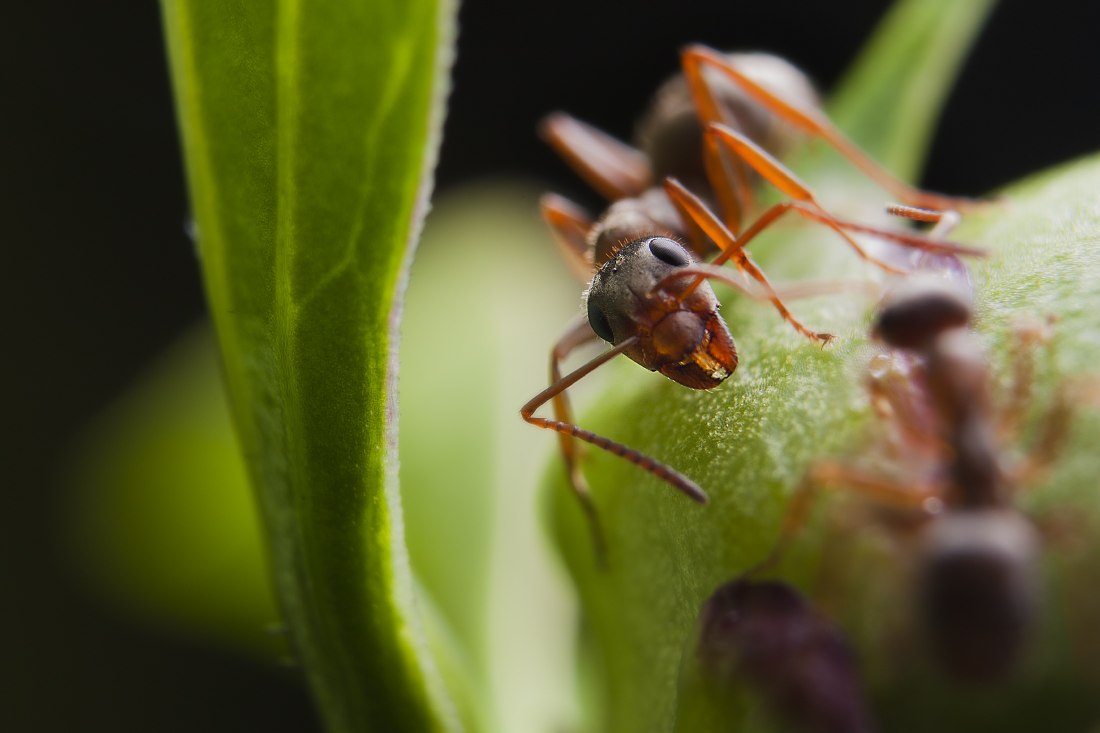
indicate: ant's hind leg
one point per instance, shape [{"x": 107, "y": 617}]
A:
[
  {"x": 577, "y": 334},
  {"x": 610, "y": 166},
  {"x": 814, "y": 123}
]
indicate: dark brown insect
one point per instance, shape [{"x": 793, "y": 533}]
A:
[
  {"x": 648, "y": 294},
  {"x": 765, "y": 635},
  {"x": 952, "y": 476}
]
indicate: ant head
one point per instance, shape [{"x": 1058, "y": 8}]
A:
[
  {"x": 680, "y": 334},
  {"x": 918, "y": 310},
  {"x": 767, "y": 634},
  {"x": 978, "y": 590}
]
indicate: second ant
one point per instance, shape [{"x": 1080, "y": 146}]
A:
[{"x": 941, "y": 472}]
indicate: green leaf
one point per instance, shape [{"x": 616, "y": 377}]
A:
[{"x": 309, "y": 130}]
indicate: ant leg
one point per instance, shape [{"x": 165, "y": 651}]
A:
[
  {"x": 610, "y": 166},
  {"x": 1053, "y": 432},
  {"x": 577, "y": 334},
  {"x": 730, "y": 183},
  {"x": 833, "y": 475},
  {"x": 899, "y": 398},
  {"x": 1027, "y": 335},
  {"x": 944, "y": 221},
  {"x": 570, "y": 225},
  {"x": 843, "y": 226},
  {"x": 555, "y": 390},
  {"x": 806, "y": 204},
  {"x": 811, "y": 122},
  {"x": 658, "y": 469},
  {"x": 770, "y": 294},
  {"x": 786, "y": 291},
  {"x": 693, "y": 209}
]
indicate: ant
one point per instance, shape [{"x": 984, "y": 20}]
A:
[
  {"x": 648, "y": 294},
  {"x": 949, "y": 476},
  {"x": 766, "y": 634}
]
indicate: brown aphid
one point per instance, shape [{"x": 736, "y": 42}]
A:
[
  {"x": 766, "y": 635},
  {"x": 648, "y": 296}
]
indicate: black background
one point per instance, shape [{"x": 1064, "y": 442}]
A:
[{"x": 98, "y": 275}]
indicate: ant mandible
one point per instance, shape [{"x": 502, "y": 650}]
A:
[{"x": 648, "y": 295}]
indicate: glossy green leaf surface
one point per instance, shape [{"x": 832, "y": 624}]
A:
[{"x": 309, "y": 133}]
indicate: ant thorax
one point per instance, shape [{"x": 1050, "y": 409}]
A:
[
  {"x": 640, "y": 217},
  {"x": 678, "y": 330}
]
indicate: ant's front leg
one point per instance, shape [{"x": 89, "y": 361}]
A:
[
  {"x": 806, "y": 205},
  {"x": 564, "y": 427},
  {"x": 577, "y": 334},
  {"x": 693, "y": 209}
]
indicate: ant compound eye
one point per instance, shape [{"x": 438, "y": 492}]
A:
[
  {"x": 669, "y": 252},
  {"x": 599, "y": 323}
]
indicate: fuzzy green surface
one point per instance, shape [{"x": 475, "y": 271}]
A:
[{"x": 309, "y": 135}]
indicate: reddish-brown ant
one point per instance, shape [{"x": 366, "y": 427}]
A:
[
  {"x": 976, "y": 554},
  {"x": 648, "y": 295}
]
